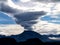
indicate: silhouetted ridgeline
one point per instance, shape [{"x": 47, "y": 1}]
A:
[
  {"x": 33, "y": 41},
  {"x": 7, "y": 41},
  {"x": 11, "y": 41}
]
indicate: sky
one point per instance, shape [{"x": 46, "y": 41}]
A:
[
  {"x": 8, "y": 26},
  {"x": 5, "y": 19},
  {"x": 34, "y": 15}
]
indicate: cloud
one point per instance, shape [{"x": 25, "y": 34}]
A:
[
  {"x": 7, "y": 9},
  {"x": 26, "y": 15},
  {"x": 30, "y": 6},
  {"x": 47, "y": 1},
  {"x": 9, "y": 30},
  {"x": 26, "y": 7},
  {"x": 3, "y": 0},
  {"x": 27, "y": 19},
  {"x": 46, "y": 28},
  {"x": 4, "y": 7}
]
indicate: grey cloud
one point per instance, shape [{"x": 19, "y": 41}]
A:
[
  {"x": 2, "y": 0},
  {"x": 27, "y": 19},
  {"x": 28, "y": 16},
  {"x": 7, "y": 9}
]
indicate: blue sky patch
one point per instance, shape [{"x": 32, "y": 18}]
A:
[
  {"x": 51, "y": 19},
  {"x": 5, "y": 19}
]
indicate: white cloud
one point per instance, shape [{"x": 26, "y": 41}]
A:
[
  {"x": 45, "y": 28},
  {"x": 36, "y": 6},
  {"x": 11, "y": 4},
  {"x": 24, "y": 1},
  {"x": 54, "y": 38},
  {"x": 47, "y": 1},
  {"x": 9, "y": 30}
]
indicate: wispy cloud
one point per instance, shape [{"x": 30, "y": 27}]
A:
[{"x": 46, "y": 28}]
